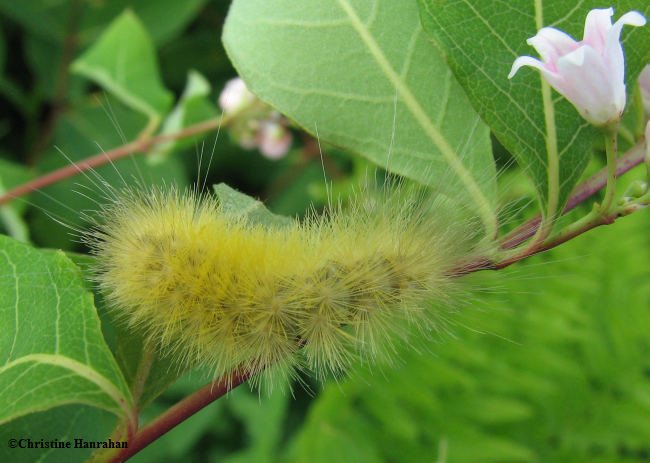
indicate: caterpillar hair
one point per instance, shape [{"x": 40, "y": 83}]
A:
[{"x": 214, "y": 289}]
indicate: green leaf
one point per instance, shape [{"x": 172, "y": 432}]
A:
[
  {"x": 11, "y": 175},
  {"x": 43, "y": 55},
  {"x": 51, "y": 343},
  {"x": 65, "y": 424},
  {"x": 46, "y": 19},
  {"x": 481, "y": 41},
  {"x": 147, "y": 372},
  {"x": 263, "y": 420},
  {"x": 362, "y": 74},
  {"x": 235, "y": 203},
  {"x": 3, "y": 51},
  {"x": 123, "y": 61},
  {"x": 192, "y": 107},
  {"x": 164, "y": 19}
]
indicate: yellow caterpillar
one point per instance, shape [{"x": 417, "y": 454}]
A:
[{"x": 211, "y": 288}]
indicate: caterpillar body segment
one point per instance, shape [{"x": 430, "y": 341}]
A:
[{"x": 210, "y": 288}]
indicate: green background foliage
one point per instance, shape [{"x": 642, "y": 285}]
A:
[{"x": 545, "y": 362}]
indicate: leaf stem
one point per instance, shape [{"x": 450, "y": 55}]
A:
[
  {"x": 611, "y": 150},
  {"x": 179, "y": 413}
]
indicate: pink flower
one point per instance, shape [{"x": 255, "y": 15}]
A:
[
  {"x": 235, "y": 95},
  {"x": 590, "y": 73},
  {"x": 274, "y": 139},
  {"x": 264, "y": 129}
]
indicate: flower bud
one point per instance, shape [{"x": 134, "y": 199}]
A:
[
  {"x": 636, "y": 189},
  {"x": 235, "y": 95}
]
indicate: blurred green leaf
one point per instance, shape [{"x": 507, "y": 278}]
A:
[
  {"x": 263, "y": 421},
  {"x": 123, "y": 61},
  {"x": 44, "y": 58},
  {"x": 51, "y": 340},
  {"x": 41, "y": 17},
  {"x": 192, "y": 107},
  {"x": 11, "y": 175},
  {"x": 163, "y": 19},
  {"x": 362, "y": 74},
  {"x": 146, "y": 371},
  {"x": 3, "y": 51}
]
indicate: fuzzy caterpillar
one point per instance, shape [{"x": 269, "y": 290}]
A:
[{"x": 213, "y": 289}]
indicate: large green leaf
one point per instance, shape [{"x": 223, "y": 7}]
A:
[
  {"x": 65, "y": 424},
  {"x": 362, "y": 74},
  {"x": 482, "y": 39},
  {"x": 123, "y": 61},
  {"x": 51, "y": 344}
]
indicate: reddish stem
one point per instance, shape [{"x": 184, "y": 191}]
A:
[
  {"x": 137, "y": 146},
  {"x": 179, "y": 413},
  {"x": 584, "y": 191}
]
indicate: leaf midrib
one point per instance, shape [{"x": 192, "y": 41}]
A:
[{"x": 485, "y": 209}]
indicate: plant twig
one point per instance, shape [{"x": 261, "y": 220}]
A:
[
  {"x": 179, "y": 413},
  {"x": 137, "y": 146},
  {"x": 582, "y": 192}
]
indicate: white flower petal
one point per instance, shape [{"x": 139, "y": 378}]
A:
[
  {"x": 631, "y": 18},
  {"x": 525, "y": 61},
  {"x": 613, "y": 52},
  {"x": 553, "y": 78},
  {"x": 597, "y": 25},
  {"x": 594, "y": 97},
  {"x": 552, "y": 43}
]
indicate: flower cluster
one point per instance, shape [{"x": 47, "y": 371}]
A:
[
  {"x": 589, "y": 73},
  {"x": 264, "y": 128}
]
